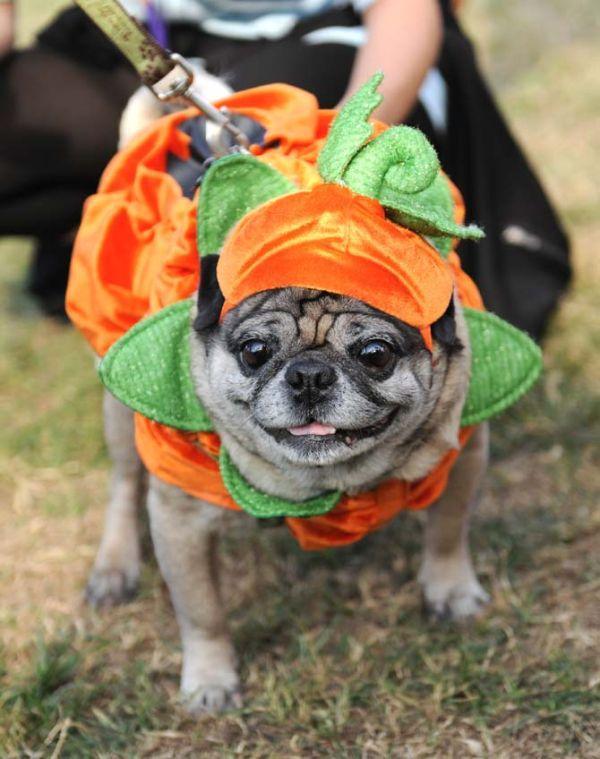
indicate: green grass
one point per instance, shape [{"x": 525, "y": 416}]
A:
[{"x": 335, "y": 655}]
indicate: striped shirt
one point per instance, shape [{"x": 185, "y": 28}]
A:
[{"x": 242, "y": 19}]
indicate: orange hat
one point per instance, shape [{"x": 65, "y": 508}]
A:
[{"x": 333, "y": 239}]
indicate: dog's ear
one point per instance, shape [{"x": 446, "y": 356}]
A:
[
  {"x": 443, "y": 331},
  {"x": 210, "y": 297}
]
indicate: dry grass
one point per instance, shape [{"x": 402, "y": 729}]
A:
[{"x": 335, "y": 655}]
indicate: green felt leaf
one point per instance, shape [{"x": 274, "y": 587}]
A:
[
  {"x": 265, "y": 506},
  {"x": 349, "y": 131},
  {"x": 232, "y": 187},
  {"x": 148, "y": 369},
  {"x": 505, "y": 363}
]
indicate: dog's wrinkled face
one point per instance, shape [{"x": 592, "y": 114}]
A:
[{"x": 310, "y": 378}]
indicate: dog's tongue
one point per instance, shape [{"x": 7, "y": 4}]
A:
[{"x": 314, "y": 428}]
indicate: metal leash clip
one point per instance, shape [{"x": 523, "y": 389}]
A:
[{"x": 178, "y": 85}]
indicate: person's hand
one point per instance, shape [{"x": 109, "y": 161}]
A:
[{"x": 7, "y": 28}]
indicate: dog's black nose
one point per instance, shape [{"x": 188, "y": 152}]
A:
[{"x": 309, "y": 375}]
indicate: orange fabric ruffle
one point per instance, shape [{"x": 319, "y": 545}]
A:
[{"x": 135, "y": 251}]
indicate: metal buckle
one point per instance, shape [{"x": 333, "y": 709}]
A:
[{"x": 178, "y": 84}]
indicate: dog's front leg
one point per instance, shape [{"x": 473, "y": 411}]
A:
[
  {"x": 184, "y": 531},
  {"x": 450, "y": 587}
]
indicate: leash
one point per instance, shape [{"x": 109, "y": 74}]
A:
[{"x": 168, "y": 75}]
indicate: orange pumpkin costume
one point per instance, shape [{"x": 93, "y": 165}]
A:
[{"x": 136, "y": 253}]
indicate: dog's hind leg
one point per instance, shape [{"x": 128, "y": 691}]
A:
[
  {"x": 185, "y": 535},
  {"x": 450, "y": 587},
  {"x": 114, "y": 578}
]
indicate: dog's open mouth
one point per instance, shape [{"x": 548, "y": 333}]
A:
[{"x": 322, "y": 433}]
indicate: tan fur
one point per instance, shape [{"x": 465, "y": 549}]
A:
[
  {"x": 445, "y": 420},
  {"x": 114, "y": 577},
  {"x": 185, "y": 533}
]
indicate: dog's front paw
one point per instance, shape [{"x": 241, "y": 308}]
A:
[
  {"x": 109, "y": 587},
  {"x": 451, "y": 592},
  {"x": 211, "y": 699},
  {"x": 210, "y": 690},
  {"x": 209, "y": 681}
]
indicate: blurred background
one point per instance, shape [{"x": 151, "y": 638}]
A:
[{"x": 336, "y": 656}]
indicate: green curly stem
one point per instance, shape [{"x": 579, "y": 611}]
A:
[
  {"x": 349, "y": 131},
  {"x": 401, "y": 157},
  {"x": 399, "y": 168}
]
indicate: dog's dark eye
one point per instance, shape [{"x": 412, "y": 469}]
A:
[
  {"x": 255, "y": 353},
  {"x": 375, "y": 354}
]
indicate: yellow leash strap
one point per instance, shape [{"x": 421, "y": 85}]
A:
[
  {"x": 147, "y": 57},
  {"x": 168, "y": 75}
]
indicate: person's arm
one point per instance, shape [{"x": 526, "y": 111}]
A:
[
  {"x": 7, "y": 27},
  {"x": 404, "y": 38}
]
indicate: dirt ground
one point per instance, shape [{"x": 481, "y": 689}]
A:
[{"x": 336, "y": 657}]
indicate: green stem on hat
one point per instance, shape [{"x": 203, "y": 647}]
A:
[
  {"x": 399, "y": 168},
  {"x": 349, "y": 131},
  {"x": 402, "y": 157}
]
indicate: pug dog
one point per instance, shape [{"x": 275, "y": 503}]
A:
[{"x": 309, "y": 391}]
